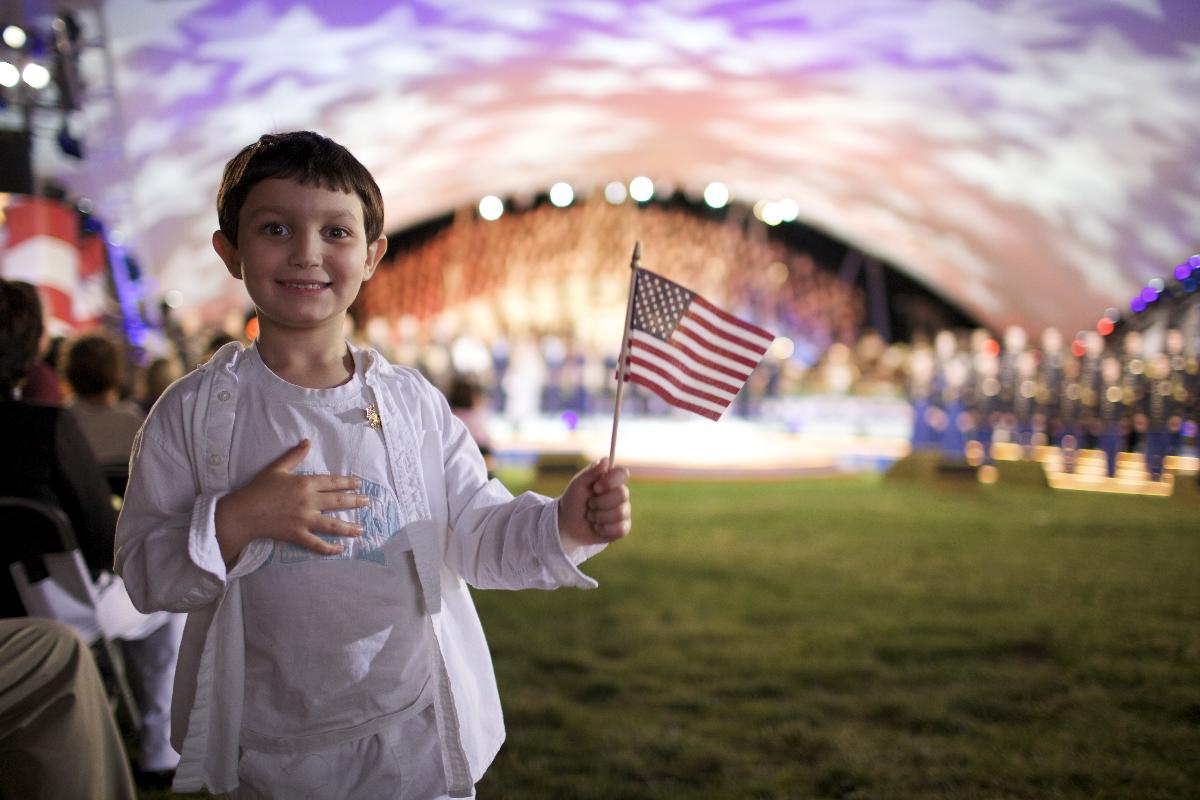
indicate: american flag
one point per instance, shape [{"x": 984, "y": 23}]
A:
[{"x": 686, "y": 350}]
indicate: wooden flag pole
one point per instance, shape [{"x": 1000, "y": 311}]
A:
[{"x": 634, "y": 263}]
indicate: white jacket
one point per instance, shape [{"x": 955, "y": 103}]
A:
[{"x": 469, "y": 530}]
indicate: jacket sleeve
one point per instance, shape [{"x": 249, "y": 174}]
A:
[
  {"x": 496, "y": 541},
  {"x": 166, "y": 545}
]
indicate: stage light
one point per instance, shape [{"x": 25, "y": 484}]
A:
[
  {"x": 1149, "y": 295},
  {"x": 758, "y": 209},
  {"x": 491, "y": 207},
  {"x": 1156, "y": 284},
  {"x": 782, "y": 348},
  {"x": 615, "y": 193},
  {"x": 641, "y": 188},
  {"x": 1137, "y": 305},
  {"x": 1189, "y": 285},
  {"x": 570, "y": 420},
  {"x": 10, "y": 76},
  {"x": 1104, "y": 327},
  {"x": 1078, "y": 348},
  {"x": 988, "y": 474},
  {"x": 116, "y": 238},
  {"x": 716, "y": 195},
  {"x": 561, "y": 194},
  {"x": 991, "y": 348},
  {"x": 1195, "y": 261},
  {"x": 36, "y": 75},
  {"x": 772, "y": 214},
  {"x": 1112, "y": 314},
  {"x": 173, "y": 298},
  {"x": 789, "y": 209},
  {"x": 1182, "y": 271},
  {"x": 14, "y": 36}
]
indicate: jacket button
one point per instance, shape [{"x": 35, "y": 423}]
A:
[
  {"x": 224, "y": 394},
  {"x": 214, "y": 459}
]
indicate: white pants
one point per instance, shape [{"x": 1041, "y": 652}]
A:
[
  {"x": 401, "y": 762},
  {"x": 151, "y": 664}
]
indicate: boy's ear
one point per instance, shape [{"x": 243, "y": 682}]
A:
[
  {"x": 375, "y": 252},
  {"x": 227, "y": 250}
]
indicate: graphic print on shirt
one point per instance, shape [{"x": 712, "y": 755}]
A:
[{"x": 380, "y": 519}]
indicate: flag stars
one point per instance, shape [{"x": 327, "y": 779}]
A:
[{"x": 659, "y": 305}]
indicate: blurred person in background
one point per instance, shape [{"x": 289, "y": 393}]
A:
[
  {"x": 58, "y": 738},
  {"x": 161, "y": 373},
  {"x": 93, "y": 369},
  {"x": 47, "y": 458}
]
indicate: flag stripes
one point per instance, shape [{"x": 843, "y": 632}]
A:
[{"x": 690, "y": 353}]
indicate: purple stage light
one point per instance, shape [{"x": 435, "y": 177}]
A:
[
  {"x": 1195, "y": 261},
  {"x": 1137, "y": 305},
  {"x": 1148, "y": 295},
  {"x": 570, "y": 419},
  {"x": 1182, "y": 271}
]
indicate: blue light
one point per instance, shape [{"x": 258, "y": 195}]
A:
[{"x": 1189, "y": 284}]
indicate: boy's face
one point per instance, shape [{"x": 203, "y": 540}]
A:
[{"x": 302, "y": 253}]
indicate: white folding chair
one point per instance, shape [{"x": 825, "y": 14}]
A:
[{"x": 53, "y": 581}]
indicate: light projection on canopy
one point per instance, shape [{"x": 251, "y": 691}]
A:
[{"x": 1033, "y": 160}]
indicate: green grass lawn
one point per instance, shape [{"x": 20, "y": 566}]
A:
[{"x": 859, "y": 638}]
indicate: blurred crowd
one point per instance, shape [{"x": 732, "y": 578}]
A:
[{"x": 1135, "y": 391}]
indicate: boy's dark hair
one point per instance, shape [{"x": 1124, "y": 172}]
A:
[
  {"x": 20, "y": 332},
  {"x": 92, "y": 365},
  {"x": 302, "y": 156}
]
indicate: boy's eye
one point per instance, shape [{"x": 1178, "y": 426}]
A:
[
  {"x": 338, "y": 233},
  {"x": 274, "y": 229}
]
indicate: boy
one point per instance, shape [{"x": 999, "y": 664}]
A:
[{"x": 319, "y": 512}]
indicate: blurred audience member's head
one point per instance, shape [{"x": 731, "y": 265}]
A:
[
  {"x": 93, "y": 368},
  {"x": 21, "y": 330}
]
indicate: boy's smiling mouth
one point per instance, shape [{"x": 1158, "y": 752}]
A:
[{"x": 308, "y": 286}]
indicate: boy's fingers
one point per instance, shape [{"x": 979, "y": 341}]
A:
[
  {"x": 337, "y": 527},
  {"x": 609, "y": 499},
  {"x": 291, "y": 457},
  {"x": 608, "y": 516},
  {"x": 611, "y": 480},
  {"x": 335, "y": 483},
  {"x": 319, "y": 545}
]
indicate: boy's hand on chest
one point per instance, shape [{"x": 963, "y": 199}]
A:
[{"x": 279, "y": 504}]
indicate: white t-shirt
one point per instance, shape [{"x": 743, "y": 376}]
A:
[{"x": 337, "y": 647}]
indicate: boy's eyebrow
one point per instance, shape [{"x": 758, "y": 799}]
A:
[{"x": 343, "y": 212}]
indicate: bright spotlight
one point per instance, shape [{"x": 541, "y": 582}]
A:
[
  {"x": 772, "y": 214},
  {"x": 716, "y": 195},
  {"x": 36, "y": 75},
  {"x": 14, "y": 36},
  {"x": 491, "y": 207},
  {"x": 782, "y": 348},
  {"x": 641, "y": 188},
  {"x": 10, "y": 76},
  {"x": 615, "y": 193},
  {"x": 789, "y": 209},
  {"x": 173, "y": 298},
  {"x": 561, "y": 194}
]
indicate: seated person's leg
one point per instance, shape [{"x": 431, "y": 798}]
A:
[{"x": 58, "y": 737}]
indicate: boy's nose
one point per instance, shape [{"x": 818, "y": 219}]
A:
[{"x": 306, "y": 251}]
